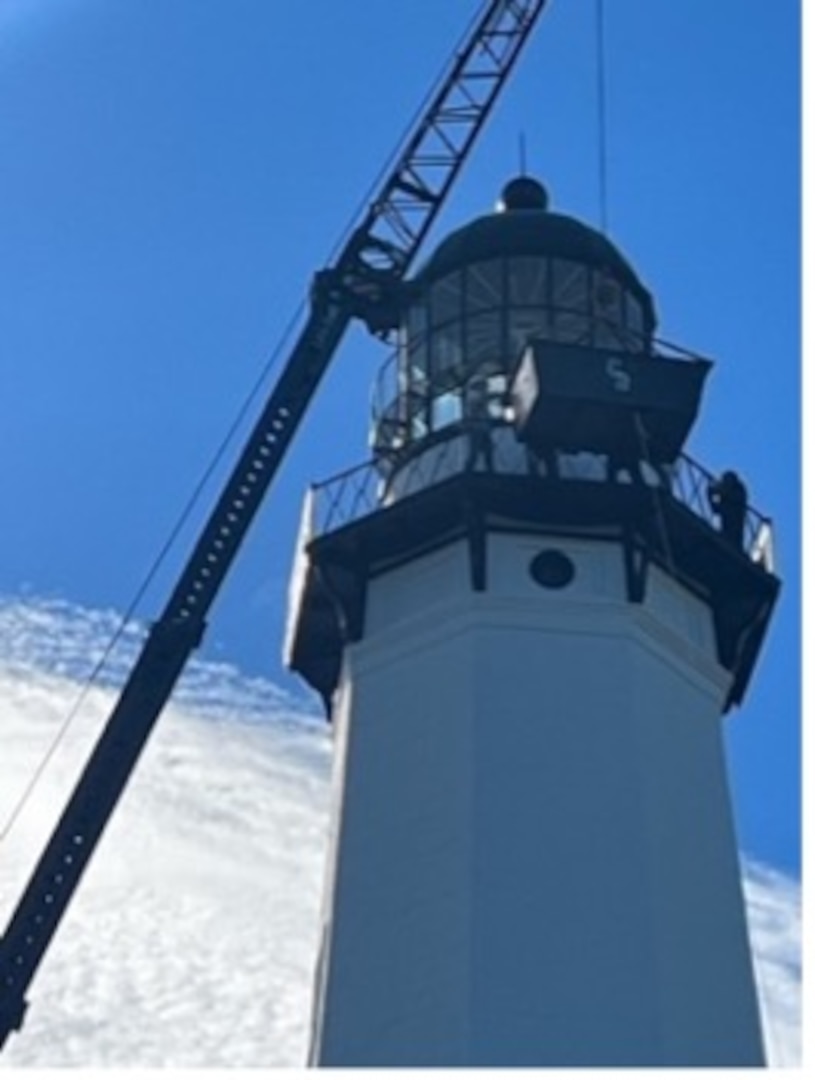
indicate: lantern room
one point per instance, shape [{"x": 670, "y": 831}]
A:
[{"x": 520, "y": 274}]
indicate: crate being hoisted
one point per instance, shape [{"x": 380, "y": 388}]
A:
[{"x": 615, "y": 402}]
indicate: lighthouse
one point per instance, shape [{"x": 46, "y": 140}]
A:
[{"x": 529, "y": 616}]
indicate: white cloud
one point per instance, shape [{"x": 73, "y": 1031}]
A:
[
  {"x": 192, "y": 939},
  {"x": 774, "y": 913}
]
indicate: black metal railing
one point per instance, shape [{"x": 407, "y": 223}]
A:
[{"x": 365, "y": 489}]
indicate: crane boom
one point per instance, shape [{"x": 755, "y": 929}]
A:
[{"x": 360, "y": 284}]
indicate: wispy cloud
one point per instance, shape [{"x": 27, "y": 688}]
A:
[
  {"x": 774, "y": 913},
  {"x": 192, "y": 939}
]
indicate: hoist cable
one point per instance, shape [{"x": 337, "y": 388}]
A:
[
  {"x": 202, "y": 483},
  {"x": 602, "y": 119},
  {"x": 175, "y": 531},
  {"x": 227, "y": 440}
]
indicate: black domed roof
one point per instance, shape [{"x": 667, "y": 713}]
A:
[{"x": 524, "y": 226}]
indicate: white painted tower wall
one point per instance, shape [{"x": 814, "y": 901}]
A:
[{"x": 538, "y": 864}]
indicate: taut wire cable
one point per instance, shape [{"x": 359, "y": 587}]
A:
[{"x": 602, "y": 110}]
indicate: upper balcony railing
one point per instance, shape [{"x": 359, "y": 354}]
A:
[{"x": 358, "y": 492}]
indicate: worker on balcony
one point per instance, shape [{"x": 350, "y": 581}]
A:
[{"x": 728, "y": 500}]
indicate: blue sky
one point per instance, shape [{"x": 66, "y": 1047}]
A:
[{"x": 173, "y": 173}]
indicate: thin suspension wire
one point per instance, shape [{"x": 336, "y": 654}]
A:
[
  {"x": 156, "y": 565},
  {"x": 69, "y": 718},
  {"x": 221, "y": 450},
  {"x": 219, "y": 453},
  {"x": 602, "y": 142},
  {"x": 187, "y": 510}
]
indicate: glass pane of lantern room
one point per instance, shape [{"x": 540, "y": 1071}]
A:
[
  {"x": 634, "y": 322},
  {"x": 446, "y": 299},
  {"x": 415, "y": 346},
  {"x": 496, "y": 395},
  {"x": 484, "y": 344},
  {"x": 446, "y": 357},
  {"x": 446, "y": 409},
  {"x": 607, "y": 297},
  {"x": 570, "y": 286},
  {"x": 414, "y": 375},
  {"x": 525, "y": 325},
  {"x": 528, "y": 281},
  {"x": 484, "y": 285},
  {"x": 571, "y": 328},
  {"x": 417, "y": 322},
  {"x": 607, "y": 310}
]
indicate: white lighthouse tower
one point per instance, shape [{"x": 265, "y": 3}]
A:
[{"x": 527, "y": 617}]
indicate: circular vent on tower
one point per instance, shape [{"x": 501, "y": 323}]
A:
[{"x": 552, "y": 569}]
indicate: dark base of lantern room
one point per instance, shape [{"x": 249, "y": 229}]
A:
[{"x": 651, "y": 526}]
